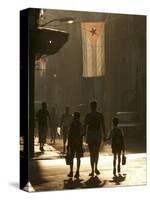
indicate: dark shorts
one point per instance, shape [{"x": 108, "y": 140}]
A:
[
  {"x": 94, "y": 147},
  {"x": 42, "y": 134},
  {"x": 116, "y": 149},
  {"x": 93, "y": 137},
  {"x": 76, "y": 151}
]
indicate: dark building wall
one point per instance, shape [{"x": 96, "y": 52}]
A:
[{"x": 125, "y": 54}]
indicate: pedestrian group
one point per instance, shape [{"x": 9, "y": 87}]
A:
[{"x": 73, "y": 132}]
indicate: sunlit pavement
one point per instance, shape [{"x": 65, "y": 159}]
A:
[
  {"x": 52, "y": 174},
  {"x": 48, "y": 170},
  {"x": 55, "y": 151}
]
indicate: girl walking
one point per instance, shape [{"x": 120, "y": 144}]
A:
[{"x": 117, "y": 145}]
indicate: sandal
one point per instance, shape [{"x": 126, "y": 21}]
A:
[
  {"x": 70, "y": 174},
  {"x": 91, "y": 174},
  {"x": 77, "y": 175},
  {"x": 97, "y": 171}
]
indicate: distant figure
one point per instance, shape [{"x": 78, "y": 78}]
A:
[
  {"x": 65, "y": 124},
  {"x": 54, "y": 125},
  {"x": 117, "y": 144},
  {"x": 75, "y": 143},
  {"x": 42, "y": 117},
  {"x": 94, "y": 122}
]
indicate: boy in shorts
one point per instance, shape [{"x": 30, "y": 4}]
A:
[{"x": 75, "y": 143}]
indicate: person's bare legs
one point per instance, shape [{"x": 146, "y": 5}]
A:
[
  {"x": 55, "y": 131},
  {"x": 71, "y": 170},
  {"x": 119, "y": 160},
  {"x": 52, "y": 136},
  {"x": 71, "y": 167},
  {"x": 96, "y": 163},
  {"x": 114, "y": 164},
  {"x": 78, "y": 164},
  {"x": 64, "y": 142},
  {"x": 65, "y": 136},
  {"x": 78, "y": 167},
  {"x": 96, "y": 160},
  {"x": 41, "y": 146},
  {"x": 92, "y": 161}
]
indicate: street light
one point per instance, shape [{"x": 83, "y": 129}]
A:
[
  {"x": 68, "y": 20},
  {"x": 51, "y": 44}
]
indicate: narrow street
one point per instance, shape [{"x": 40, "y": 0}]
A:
[{"x": 51, "y": 171}]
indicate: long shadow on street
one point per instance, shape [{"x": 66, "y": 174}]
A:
[
  {"x": 92, "y": 182},
  {"x": 118, "y": 179}
]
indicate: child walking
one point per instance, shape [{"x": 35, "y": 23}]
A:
[
  {"x": 75, "y": 143},
  {"x": 117, "y": 145}
]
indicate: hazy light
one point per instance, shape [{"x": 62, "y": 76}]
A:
[
  {"x": 59, "y": 130},
  {"x": 70, "y": 21}
]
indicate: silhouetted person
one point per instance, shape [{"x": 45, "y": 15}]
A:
[
  {"x": 94, "y": 124},
  {"x": 42, "y": 117},
  {"x": 65, "y": 124},
  {"x": 117, "y": 144},
  {"x": 54, "y": 125},
  {"x": 75, "y": 143}
]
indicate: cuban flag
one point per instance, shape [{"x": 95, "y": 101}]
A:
[{"x": 93, "y": 49}]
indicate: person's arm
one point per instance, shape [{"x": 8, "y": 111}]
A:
[
  {"x": 69, "y": 138},
  {"x": 123, "y": 142},
  {"x": 68, "y": 143},
  {"x": 82, "y": 130},
  {"x": 109, "y": 137}
]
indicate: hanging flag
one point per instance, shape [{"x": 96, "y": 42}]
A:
[
  {"x": 93, "y": 49},
  {"x": 41, "y": 62}
]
